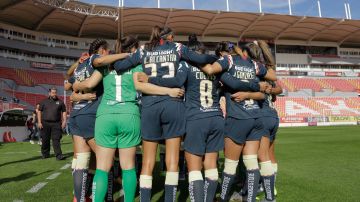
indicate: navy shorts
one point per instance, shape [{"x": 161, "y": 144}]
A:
[
  {"x": 204, "y": 135},
  {"x": 83, "y": 125},
  {"x": 242, "y": 130},
  {"x": 163, "y": 120},
  {"x": 271, "y": 125}
]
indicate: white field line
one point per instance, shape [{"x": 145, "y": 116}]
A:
[
  {"x": 37, "y": 187},
  {"x": 66, "y": 166},
  {"x": 53, "y": 176}
]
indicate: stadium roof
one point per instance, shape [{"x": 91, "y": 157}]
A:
[{"x": 79, "y": 19}]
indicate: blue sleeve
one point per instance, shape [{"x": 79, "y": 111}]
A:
[
  {"x": 225, "y": 62},
  {"x": 174, "y": 82},
  {"x": 261, "y": 70},
  {"x": 71, "y": 80},
  {"x": 192, "y": 56},
  {"x": 92, "y": 58},
  {"x": 239, "y": 85},
  {"x": 129, "y": 62}
]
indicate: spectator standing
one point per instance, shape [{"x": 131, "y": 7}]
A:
[{"x": 51, "y": 121}]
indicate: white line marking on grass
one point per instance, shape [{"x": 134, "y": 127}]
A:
[
  {"x": 17, "y": 200},
  {"x": 66, "y": 166},
  {"x": 15, "y": 153},
  {"x": 53, "y": 176},
  {"x": 37, "y": 187}
]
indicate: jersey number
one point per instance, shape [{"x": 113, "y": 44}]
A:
[
  {"x": 153, "y": 67},
  {"x": 206, "y": 99},
  {"x": 118, "y": 88}
]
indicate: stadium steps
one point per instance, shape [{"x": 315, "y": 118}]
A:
[
  {"x": 25, "y": 77},
  {"x": 323, "y": 84},
  {"x": 355, "y": 83}
]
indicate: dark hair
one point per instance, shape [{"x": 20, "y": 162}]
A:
[
  {"x": 97, "y": 44},
  {"x": 254, "y": 51},
  {"x": 125, "y": 44},
  {"x": 165, "y": 32},
  {"x": 156, "y": 35},
  {"x": 195, "y": 45},
  {"x": 267, "y": 55},
  {"x": 52, "y": 88},
  {"x": 154, "y": 38},
  {"x": 224, "y": 46}
]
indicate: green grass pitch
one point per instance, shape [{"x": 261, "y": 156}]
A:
[{"x": 315, "y": 164}]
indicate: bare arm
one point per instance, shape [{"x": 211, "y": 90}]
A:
[
  {"x": 88, "y": 84},
  {"x": 108, "y": 59},
  {"x": 76, "y": 97},
  {"x": 240, "y": 96},
  {"x": 71, "y": 70},
  {"x": 63, "y": 121},
  {"x": 276, "y": 90},
  {"x": 211, "y": 69},
  {"x": 152, "y": 89},
  {"x": 270, "y": 75}
]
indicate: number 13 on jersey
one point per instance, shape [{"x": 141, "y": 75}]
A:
[{"x": 154, "y": 70}]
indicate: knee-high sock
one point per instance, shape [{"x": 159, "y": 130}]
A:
[
  {"x": 110, "y": 189},
  {"x": 211, "y": 183},
  {"x": 268, "y": 179},
  {"x": 196, "y": 186},
  {"x": 171, "y": 182},
  {"x": 252, "y": 176},
  {"x": 129, "y": 184},
  {"x": 100, "y": 185},
  {"x": 80, "y": 175},
  {"x": 145, "y": 188},
  {"x": 228, "y": 178}
]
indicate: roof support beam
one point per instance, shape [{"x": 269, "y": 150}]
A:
[
  {"x": 168, "y": 17},
  {"x": 250, "y": 26},
  {"x": 209, "y": 24},
  {"x": 290, "y": 26},
  {"x": 42, "y": 20},
  {"x": 326, "y": 29},
  {"x": 12, "y": 4},
  {"x": 348, "y": 36},
  {"x": 84, "y": 21}
]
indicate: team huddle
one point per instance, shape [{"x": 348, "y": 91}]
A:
[{"x": 166, "y": 92}]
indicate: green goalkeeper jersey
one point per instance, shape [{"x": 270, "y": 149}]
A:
[{"x": 120, "y": 96}]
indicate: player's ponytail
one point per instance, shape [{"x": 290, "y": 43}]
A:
[
  {"x": 96, "y": 45},
  {"x": 254, "y": 52},
  {"x": 269, "y": 59},
  {"x": 154, "y": 38}
]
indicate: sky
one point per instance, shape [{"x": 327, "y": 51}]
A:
[{"x": 329, "y": 8}]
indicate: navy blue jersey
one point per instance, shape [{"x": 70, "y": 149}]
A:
[
  {"x": 81, "y": 73},
  {"x": 247, "y": 71},
  {"x": 161, "y": 62},
  {"x": 267, "y": 105},
  {"x": 202, "y": 91}
]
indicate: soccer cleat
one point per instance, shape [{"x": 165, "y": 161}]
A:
[
  {"x": 275, "y": 191},
  {"x": 32, "y": 142}
]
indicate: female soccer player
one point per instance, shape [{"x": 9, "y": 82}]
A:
[
  {"x": 118, "y": 123},
  {"x": 243, "y": 124},
  {"x": 82, "y": 117},
  {"x": 161, "y": 116}
]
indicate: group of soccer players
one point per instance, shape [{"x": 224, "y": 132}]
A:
[{"x": 166, "y": 92}]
